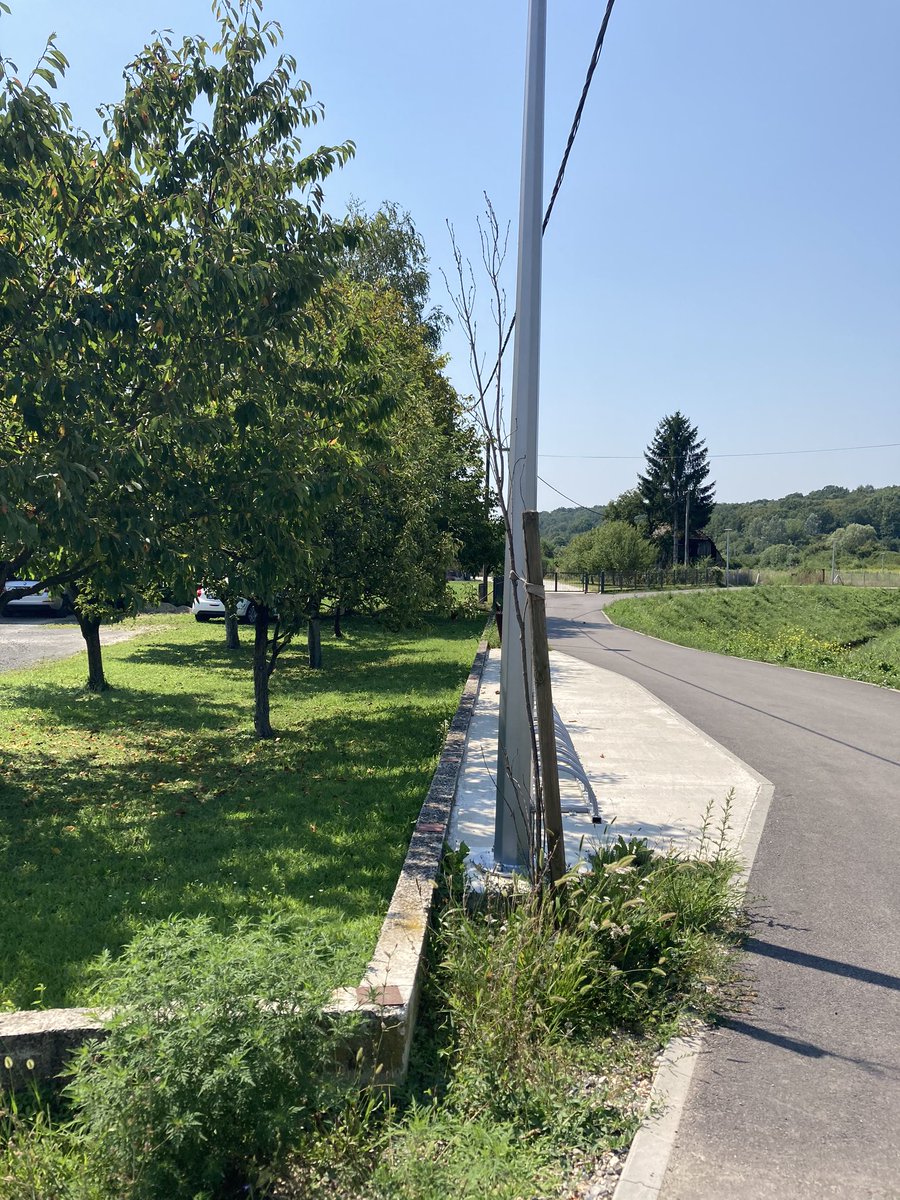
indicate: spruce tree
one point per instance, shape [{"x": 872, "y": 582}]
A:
[{"x": 674, "y": 488}]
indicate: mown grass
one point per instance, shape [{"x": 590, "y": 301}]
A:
[
  {"x": 152, "y": 799},
  {"x": 840, "y": 631}
]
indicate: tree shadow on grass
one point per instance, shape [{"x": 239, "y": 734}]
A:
[
  {"x": 395, "y": 658},
  {"x": 155, "y": 799},
  {"x": 121, "y": 708},
  {"x": 213, "y": 822}
]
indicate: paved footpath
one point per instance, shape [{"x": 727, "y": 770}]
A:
[
  {"x": 25, "y": 641},
  {"x": 799, "y": 1095}
]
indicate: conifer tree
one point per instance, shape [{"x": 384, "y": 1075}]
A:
[{"x": 674, "y": 489}]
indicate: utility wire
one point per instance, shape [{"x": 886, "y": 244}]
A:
[
  {"x": 743, "y": 454},
  {"x": 586, "y": 507},
  {"x": 740, "y": 454},
  {"x": 560, "y": 174},
  {"x": 576, "y": 121}
]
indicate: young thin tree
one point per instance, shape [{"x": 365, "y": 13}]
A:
[{"x": 488, "y": 414}]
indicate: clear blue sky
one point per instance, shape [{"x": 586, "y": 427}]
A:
[{"x": 727, "y": 239}]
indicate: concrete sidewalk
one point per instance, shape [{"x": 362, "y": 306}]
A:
[{"x": 654, "y": 774}]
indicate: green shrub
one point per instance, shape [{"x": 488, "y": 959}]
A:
[
  {"x": 215, "y": 1061},
  {"x": 460, "y": 602},
  {"x": 656, "y": 929},
  {"x": 628, "y": 944}
]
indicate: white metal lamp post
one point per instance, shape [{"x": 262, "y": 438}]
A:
[{"x": 513, "y": 817}]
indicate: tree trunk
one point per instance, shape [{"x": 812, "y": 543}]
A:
[
  {"x": 232, "y": 640},
  {"x": 90, "y": 631},
  {"x": 338, "y": 632},
  {"x": 261, "y": 724},
  {"x": 314, "y": 642}
]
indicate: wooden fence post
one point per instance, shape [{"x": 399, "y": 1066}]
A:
[{"x": 543, "y": 699}]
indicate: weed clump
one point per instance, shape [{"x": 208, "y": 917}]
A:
[
  {"x": 550, "y": 1009},
  {"x": 215, "y": 1063}
]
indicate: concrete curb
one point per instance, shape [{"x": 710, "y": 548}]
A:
[
  {"x": 645, "y": 1166},
  {"x": 45, "y": 1039},
  {"x": 388, "y": 995}
]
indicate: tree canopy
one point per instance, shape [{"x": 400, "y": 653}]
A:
[
  {"x": 615, "y": 546},
  {"x": 199, "y": 367}
]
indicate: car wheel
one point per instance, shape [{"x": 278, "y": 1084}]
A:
[
  {"x": 201, "y": 616},
  {"x": 250, "y": 614}
]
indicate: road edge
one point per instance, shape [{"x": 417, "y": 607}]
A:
[
  {"x": 880, "y": 687},
  {"x": 648, "y": 1158}
]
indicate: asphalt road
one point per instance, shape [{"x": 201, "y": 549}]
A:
[
  {"x": 26, "y": 640},
  {"x": 799, "y": 1095}
]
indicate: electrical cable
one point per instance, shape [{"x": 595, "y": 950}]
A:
[
  {"x": 560, "y": 174},
  {"x": 586, "y": 507},
  {"x": 742, "y": 454},
  {"x": 576, "y": 121},
  {"x": 738, "y": 454}
]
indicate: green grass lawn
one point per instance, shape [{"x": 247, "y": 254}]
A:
[
  {"x": 154, "y": 798},
  {"x": 853, "y": 632}
]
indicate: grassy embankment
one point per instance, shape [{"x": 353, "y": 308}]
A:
[
  {"x": 840, "y": 631},
  {"x": 121, "y": 809}
]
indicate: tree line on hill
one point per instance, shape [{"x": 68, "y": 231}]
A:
[
  {"x": 670, "y": 516},
  {"x": 204, "y": 377},
  {"x": 798, "y": 530},
  {"x": 791, "y": 533}
]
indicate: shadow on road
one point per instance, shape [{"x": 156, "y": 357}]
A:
[
  {"x": 806, "y": 1049},
  {"x": 817, "y": 963}
]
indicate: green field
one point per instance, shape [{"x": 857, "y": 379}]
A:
[
  {"x": 853, "y": 632},
  {"x": 154, "y": 798}
]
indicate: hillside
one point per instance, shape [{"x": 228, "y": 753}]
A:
[
  {"x": 794, "y": 530},
  {"x": 560, "y": 526},
  {"x": 785, "y": 532}
]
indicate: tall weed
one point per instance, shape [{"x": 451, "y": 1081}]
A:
[
  {"x": 215, "y": 1063},
  {"x": 627, "y": 945}
]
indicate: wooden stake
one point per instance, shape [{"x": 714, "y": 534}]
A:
[{"x": 543, "y": 698}]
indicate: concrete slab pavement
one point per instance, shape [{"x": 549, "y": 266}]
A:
[{"x": 654, "y": 774}]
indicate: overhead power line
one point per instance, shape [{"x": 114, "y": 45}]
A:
[
  {"x": 576, "y": 120},
  {"x": 561, "y": 173},
  {"x": 738, "y": 454},
  {"x": 586, "y": 507},
  {"x": 741, "y": 454}
]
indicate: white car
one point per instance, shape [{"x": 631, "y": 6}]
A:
[
  {"x": 207, "y": 605},
  {"x": 42, "y": 601}
]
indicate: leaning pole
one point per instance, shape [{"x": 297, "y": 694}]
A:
[{"x": 514, "y": 814}]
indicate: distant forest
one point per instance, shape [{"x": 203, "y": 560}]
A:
[
  {"x": 560, "y": 526},
  {"x": 794, "y": 531}
]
